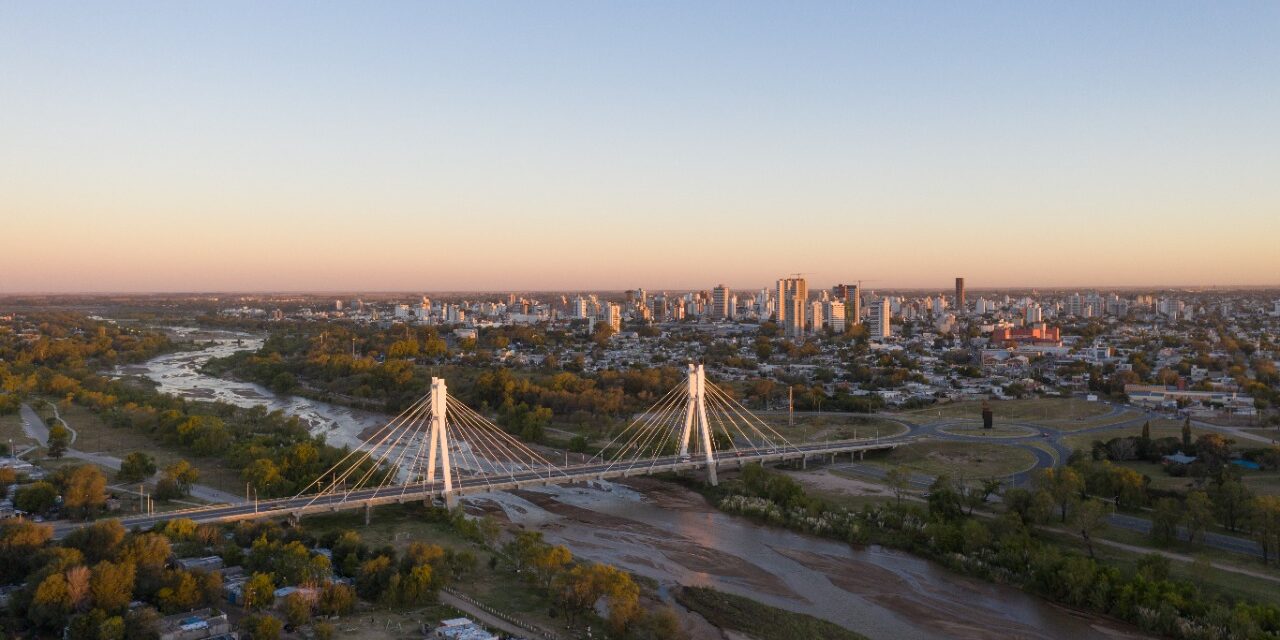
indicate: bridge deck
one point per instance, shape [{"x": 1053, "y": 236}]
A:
[{"x": 470, "y": 485}]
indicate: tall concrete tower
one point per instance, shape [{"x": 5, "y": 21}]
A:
[{"x": 960, "y": 295}]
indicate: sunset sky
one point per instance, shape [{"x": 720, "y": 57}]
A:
[{"x": 181, "y": 146}]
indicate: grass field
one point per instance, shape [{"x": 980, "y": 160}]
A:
[
  {"x": 1048, "y": 411},
  {"x": 1160, "y": 428},
  {"x": 960, "y": 459},
  {"x": 11, "y": 429},
  {"x": 757, "y": 620},
  {"x": 976, "y": 430},
  {"x": 95, "y": 436},
  {"x": 833, "y": 426}
]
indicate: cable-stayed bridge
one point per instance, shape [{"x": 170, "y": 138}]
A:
[{"x": 441, "y": 449}]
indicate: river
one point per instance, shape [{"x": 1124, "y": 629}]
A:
[{"x": 672, "y": 535}]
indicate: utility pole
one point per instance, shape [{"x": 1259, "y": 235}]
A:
[{"x": 791, "y": 406}]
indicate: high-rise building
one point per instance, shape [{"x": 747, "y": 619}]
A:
[
  {"x": 1034, "y": 315},
  {"x": 834, "y": 315},
  {"x": 960, "y": 295},
  {"x": 851, "y": 296},
  {"x": 792, "y": 294},
  {"x": 611, "y": 313},
  {"x": 720, "y": 307},
  {"x": 878, "y": 324}
]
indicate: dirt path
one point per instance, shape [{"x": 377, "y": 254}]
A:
[{"x": 482, "y": 616}]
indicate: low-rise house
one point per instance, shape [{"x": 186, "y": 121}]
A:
[
  {"x": 195, "y": 625},
  {"x": 461, "y": 629}
]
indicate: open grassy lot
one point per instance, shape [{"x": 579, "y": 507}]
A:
[
  {"x": 11, "y": 429},
  {"x": 95, "y": 436},
  {"x": 1271, "y": 433},
  {"x": 761, "y": 621},
  {"x": 1037, "y": 410},
  {"x": 1262, "y": 482},
  {"x": 959, "y": 459},
  {"x": 996, "y": 431},
  {"x": 821, "y": 427},
  {"x": 1160, "y": 428}
]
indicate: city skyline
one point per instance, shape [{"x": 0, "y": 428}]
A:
[{"x": 159, "y": 148}]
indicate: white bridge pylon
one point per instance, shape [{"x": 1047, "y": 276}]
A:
[
  {"x": 696, "y": 413},
  {"x": 694, "y": 422},
  {"x": 427, "y": 449},
  {"x": 439, "y": 445}
]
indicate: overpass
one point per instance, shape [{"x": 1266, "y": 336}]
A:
[{"x": 440, "y": 449}]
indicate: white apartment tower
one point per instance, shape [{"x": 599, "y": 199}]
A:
[
  {"x": 1034, "y": 314},
  {"x": 878, "y": 325},
  {"x": 835, "y": 316}
]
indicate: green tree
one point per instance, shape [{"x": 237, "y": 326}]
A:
[
  {"x": 142, "y": 623},
  {"x": 112, "y": 585},
  {"x": 86, "y": 491},
  {"x": 336, "y": 599},
  {"x": 1265, "y": 525},
  {"x": 1165, "y": 520},
  {"x": 1064, "y": 485},
  {"x": 98, "y": 541},
  {"x": 1231, "y": 502},
  {"x": 59, "y": 440},
  {"x": 262, "y": 626},
  {"x": 265, "y": 476},
  {"x": 373, "y": 577},
  {"x": 259, "y": 592},
  {"x": 297, "y": 609},
  {"x": 178, "y": 480},
  {"x": 51, "y": 603},
  {"x": 898, "y": 479},
  {"x": 37, "y": 497},
  {"x": 136, "y": 467},
  {"x": 1089, "y": 519},
  {"x": 1198, "y": 514}
]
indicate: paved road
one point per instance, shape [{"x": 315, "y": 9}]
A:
[{"x": 465, "y": 485}]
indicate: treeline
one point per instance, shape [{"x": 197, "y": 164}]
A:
[
  {"x": 275, "y": 452},
  {"x": 50, "y": 352},
  {"x": 1218, "y": 499},
  {"x": 86, "y": 583},
  {"x": 1006, "y": 549},
  {"x": 576, "y": 587}
]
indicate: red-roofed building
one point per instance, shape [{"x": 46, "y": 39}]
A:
[{"x": 1037, "y": 334}]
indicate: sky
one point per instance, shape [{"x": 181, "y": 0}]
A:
[{"x": 270, "y": 146}]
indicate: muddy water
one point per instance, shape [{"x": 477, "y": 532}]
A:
[{"x": 672, "y": 535}]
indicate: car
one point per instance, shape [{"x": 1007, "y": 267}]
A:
[{"x": 1044, "y": 434}]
